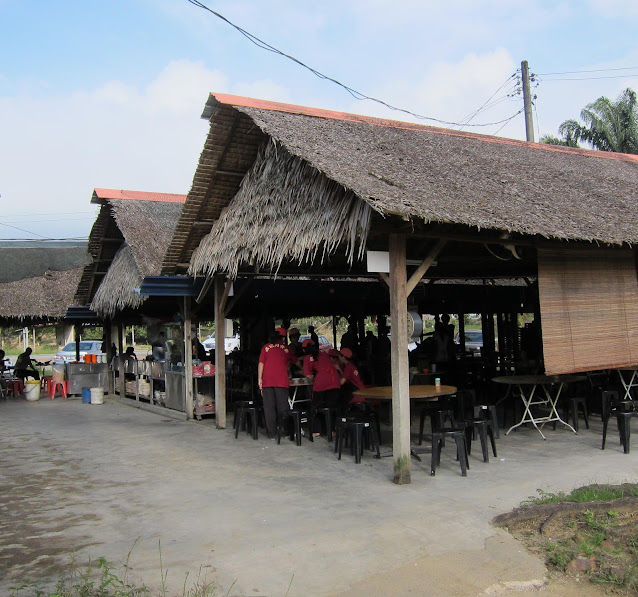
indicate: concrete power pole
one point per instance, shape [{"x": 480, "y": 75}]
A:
[{"x": 527, "y": 102}]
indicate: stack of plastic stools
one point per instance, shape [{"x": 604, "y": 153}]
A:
[
  {"x": 244, "y": 409},
  {"x": 438, "y": 415},
  {"x": 458, "y": 435}
]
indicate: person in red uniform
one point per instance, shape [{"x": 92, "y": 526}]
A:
[
  {"x": 350, "y": 377},
  {"x": 272, "y": 375},
  {"x": 326, "y": 379}
]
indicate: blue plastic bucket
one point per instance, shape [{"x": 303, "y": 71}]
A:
[{"x": 86, "y": 395}]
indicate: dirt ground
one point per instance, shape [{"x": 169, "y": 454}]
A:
[{"x": 570, "y": 526}]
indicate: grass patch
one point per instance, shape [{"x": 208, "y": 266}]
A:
[
  {"x": 100, "y": 578},
  {"x": 590, "y": 493}
]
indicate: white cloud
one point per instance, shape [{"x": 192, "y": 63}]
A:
[{"x": 116, "y": 136}]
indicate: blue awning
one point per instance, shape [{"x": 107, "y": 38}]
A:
[{"x": 170, "y": 286}]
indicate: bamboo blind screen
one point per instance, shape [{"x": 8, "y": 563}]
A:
[{"x": 589, "y": 309}]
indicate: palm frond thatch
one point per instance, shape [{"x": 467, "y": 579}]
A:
[
  {"x": 116, "y": 290},
  {"x": 44, "y": 297},
  {"x": 285, "y": 210}
]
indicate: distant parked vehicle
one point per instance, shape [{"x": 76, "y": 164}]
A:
[
  {"x": 230, "y": 344},
  {"x": 324, "y": 343},
  {"x": 473, "y": 340},
  {"x": 86, "y": 347}
]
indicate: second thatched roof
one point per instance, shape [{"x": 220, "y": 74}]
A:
[{"x": 144, "y": 222}]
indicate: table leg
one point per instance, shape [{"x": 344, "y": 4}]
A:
[
  {"x": 526, "y": 402},
  {"x": 291, "y": 401},
  {"x": 628, "y": 386},
  {"x": 553, "y": 415}
]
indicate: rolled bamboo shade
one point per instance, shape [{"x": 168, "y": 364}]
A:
[{"x": 589, "y": 308}]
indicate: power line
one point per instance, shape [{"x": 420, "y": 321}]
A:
[
  {"x": 73, "y": 238},
  {"x": 591, "y": 78},
  {"x": 353, "y": 92},
  {"x": 55, "y": 213},
  {"x": 32, "y": 221},
  {"x": 597, "y": 70},
  {"x": 21, "y": 229}
]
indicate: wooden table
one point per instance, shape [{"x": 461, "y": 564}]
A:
[
  {"x": 422, "y": 392},
  {"x": 527, "y": 385}
]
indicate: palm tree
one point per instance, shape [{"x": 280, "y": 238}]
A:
[{"x": 608, "y": 125}]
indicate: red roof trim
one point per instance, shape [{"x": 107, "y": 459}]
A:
[
  {"x": 100, "y": 195},
  {"x": 247, "y": 102}
]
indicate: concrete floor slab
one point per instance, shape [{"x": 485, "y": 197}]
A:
[{"x": 268, "y": 519}]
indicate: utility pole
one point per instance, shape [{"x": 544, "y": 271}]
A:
[{"x": 527, "y": 102}]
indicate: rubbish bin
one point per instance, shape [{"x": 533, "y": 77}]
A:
[{"x": 32, "y": 390}]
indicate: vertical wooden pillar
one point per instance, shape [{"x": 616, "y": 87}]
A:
[
  {"x": 120, "y": 360},
  {"x": 220, "y": 354},
  {"x": 108, "y": 340},
  {"x": 334, "y": 331},
  {"x": 399, "y": 356},
  {"x": 188, "y": 360}
]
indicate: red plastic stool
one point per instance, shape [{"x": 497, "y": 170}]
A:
[
  {"x": 45, "y": 383},
  {"x": 53, "y": 388},
  {"x": 15, "y": 387}
]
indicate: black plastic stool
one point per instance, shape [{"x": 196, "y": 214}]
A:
[
  {"x": 357, "y": 428},
  {"x": 458, "y": 435},
  {"x": 327, "y": 413},
  {"x": 621, "y": 410},
  {"x": 484, "y": 428},
  {"x": 438, "y": 417},
  {"x": 244, "y": 408},
  {"x": 571, "y": 405},
  {"x": 298, "y": 417},
  {"x": 481, "y": 409}
]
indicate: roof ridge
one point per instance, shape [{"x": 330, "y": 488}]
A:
[
  {"x": 248, "y": 102},
  {"x": 100, "y": 195}
]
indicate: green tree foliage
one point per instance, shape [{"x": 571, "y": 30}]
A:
[{"x": 606, "y": 125}]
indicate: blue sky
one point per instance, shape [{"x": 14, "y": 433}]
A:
[{"x": 109, "y": 94}]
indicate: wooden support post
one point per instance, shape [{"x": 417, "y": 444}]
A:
[
  {"x": 334, "y": 331},
  {"x": 399, "y": 356},
  {"x": 108, "y": 340},
  {"x": 221, "y": 294},
  {"x": 120, "y": 360},
  {"x": 188, "y": 360},
  {"x": 415, "y": 278}
]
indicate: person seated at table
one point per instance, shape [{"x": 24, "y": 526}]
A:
[
  {"x": 272, "y": 376},
  {"x": 3, "y": 368},
  {"x": 25, "y": 368}
]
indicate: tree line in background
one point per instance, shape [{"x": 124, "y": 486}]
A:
[{"x": 606, "y": 125}]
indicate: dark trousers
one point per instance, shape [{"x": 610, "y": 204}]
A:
[
  {"x": 24, "y": 373},
  {"x": 275, "y": 405}
]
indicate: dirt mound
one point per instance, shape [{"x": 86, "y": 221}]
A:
[{"x": 598, "y": 540}]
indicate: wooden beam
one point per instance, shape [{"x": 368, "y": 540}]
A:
[
  {"x": 400, "y": 365},
  {"x": 224, "y": 299},
  {"x": 220, "y": 352},
  {"x": 415, "y": 278},
  {"x": 204, "y": 291},
  {"x": 188, "y": 360}
]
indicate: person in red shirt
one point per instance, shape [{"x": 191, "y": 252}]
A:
[
  {"x": 272, "y": 375},
  {"x": 326, "y": 380},
  {"x": 350, "y": 377}
]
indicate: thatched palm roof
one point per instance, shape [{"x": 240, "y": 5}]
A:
[
  {"x": 44, "y": 297},
  {"x": 33, "y": 258},
  {"x": 127, "y": 242},
  {"x": 420, "y": 173}
]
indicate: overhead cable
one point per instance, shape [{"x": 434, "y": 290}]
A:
[{"x": 353, "y": 92}]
